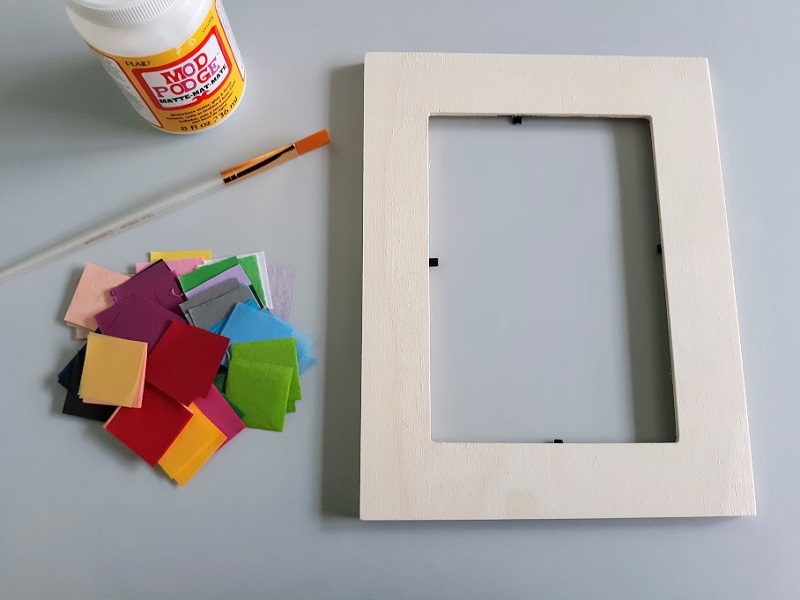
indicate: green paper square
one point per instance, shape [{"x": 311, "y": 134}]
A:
[
  {"x": 202, "y": 274},
  {"x": 262, "y": 391},
  {"x": 250, "y": 267},
  {"x": 281, "y": 352},
  {"x": 219, "y": 383},
  {"x": 290, "y": 406},
  {"x": 219, "y": 380}
]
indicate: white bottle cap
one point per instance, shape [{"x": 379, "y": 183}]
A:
[{"x": 119, "y": 13}]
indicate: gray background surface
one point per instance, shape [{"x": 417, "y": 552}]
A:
[{"x": 271, "y": 516}]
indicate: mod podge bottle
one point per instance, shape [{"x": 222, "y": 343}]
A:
[{"x": 175, "y": 60}]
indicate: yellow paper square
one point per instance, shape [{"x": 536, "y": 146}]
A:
[
  {"x": 198, "y": 442},
  {"x": 113, "y": 372},
  {"x": 179, "y": 254}
]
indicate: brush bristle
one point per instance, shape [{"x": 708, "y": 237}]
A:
[{"x": 312, "y": 142}]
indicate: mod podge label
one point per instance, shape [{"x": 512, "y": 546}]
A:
[{"x": 188, "y": 88}]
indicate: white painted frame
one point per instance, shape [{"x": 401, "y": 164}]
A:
[{"x": 404, "y": 474}]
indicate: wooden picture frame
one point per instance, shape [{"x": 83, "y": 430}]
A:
[{"x": 407, "y": 476}]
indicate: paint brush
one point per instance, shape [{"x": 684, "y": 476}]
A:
[{"x": 171, "y": 202}]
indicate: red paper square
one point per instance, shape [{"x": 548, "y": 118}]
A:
[
  {"x": 150, "y": 430},
  {"x": 185, "y": 361}
]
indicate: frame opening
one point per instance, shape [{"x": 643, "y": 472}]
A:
[{"x": 548, "y": 310}]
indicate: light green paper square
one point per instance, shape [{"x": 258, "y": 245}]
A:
[
  {"x": 281, "y": 352},
  {"x": 261, "y": 391}
]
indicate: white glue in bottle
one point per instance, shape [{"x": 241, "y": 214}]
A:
[{"x": 175, "y": 60}]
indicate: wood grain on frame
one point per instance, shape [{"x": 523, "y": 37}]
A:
[{"x": 404, "y": 474}]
